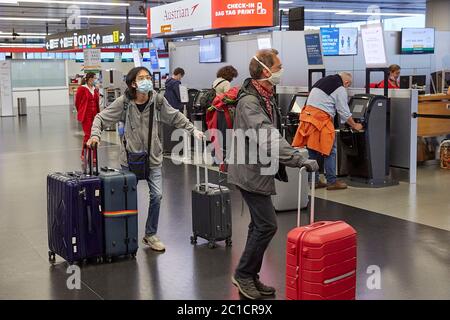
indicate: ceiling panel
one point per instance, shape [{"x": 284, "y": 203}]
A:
[{"x": 35, "y": 10}]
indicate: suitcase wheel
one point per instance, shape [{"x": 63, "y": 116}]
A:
[
  {"x": 211, "y": 244},
  {"x": 228, "y": 242},
  {"x": 51, "y": 257},
  {"x": 193, "y": 240}
]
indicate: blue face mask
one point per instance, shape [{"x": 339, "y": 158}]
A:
[{"x": 145, "y": 86}]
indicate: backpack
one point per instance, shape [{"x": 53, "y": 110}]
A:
[
  {"x": 207, "y": 99},
  {"x": 220, "y": 116}
]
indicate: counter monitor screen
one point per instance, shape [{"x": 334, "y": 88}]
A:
[
  {"x": 210, "y": 50},
  {"x": 298, "y": 104},
  {"x": 417, "y": 40}
]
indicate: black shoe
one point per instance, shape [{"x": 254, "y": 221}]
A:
[
  {"x": 263, "y": 289},
  {"x": 246, "y": 287}
]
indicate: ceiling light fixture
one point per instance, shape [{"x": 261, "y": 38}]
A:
[
  {"x": 113, "y": 17},
  {"x": 26, "y": 45},
  {"x": 388, "y": 14},
  {"x": 25, "y": 33},
  {"x": 340, "y": 11},
  {"x": 138, "y": 28},
  {"x": 87, "y": 3},
  {"x": 30, "y": 19},
  {"x": 3, "y": 36},
  {"x": 138, "y": 34}
]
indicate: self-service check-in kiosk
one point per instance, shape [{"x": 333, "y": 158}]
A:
[{"x": 367, "y": 151}]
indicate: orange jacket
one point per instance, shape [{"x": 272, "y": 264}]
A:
[{"x": 316, "y": 131}]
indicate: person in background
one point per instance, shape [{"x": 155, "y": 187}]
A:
[
  {"x": 87, "y": 103},
  {"x": 224, "y": 77},
  {"x": 172, "y": 93},
  {"x": 139, "y": 99},
  {"x": 394, "y": 78},
  {"x": 257, "y": 110},
  {"x": 316, "y": 130}
]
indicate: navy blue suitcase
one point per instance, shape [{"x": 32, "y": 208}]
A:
[
  {"x": 120, "y": 212},
  {"x": 74, "y": 219}
]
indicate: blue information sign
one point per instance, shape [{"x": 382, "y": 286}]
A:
[{"x": 313, "y": 50}]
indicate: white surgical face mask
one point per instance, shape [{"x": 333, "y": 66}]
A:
[{"x": 275, "y": 78}]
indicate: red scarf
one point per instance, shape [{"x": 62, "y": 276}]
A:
[{"x": 266, "y": 94}]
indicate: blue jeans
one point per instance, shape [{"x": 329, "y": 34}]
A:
[
  {"x": 329, "y": 163},
  {"x": 155, "y": 193}
]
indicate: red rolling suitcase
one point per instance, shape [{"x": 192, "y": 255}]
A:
[{"x": 321, "y": 259}]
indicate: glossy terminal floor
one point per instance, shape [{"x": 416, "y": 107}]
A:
[{"x": 413, "y": 256}]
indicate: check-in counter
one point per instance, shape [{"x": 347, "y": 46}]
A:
[{"x": 434, "y": 105}]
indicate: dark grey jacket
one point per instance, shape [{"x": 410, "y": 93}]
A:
[
  {"x": 137, "y": 125},
  {"x": 252, "y": 114}
]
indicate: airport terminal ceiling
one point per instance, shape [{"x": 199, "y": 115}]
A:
[{"x": 103, "y": 12}]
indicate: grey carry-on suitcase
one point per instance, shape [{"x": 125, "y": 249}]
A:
[
  {"x": 211, "y": 212},
  {"x": 120, "y": 212},
  {"x": 286, "y": 198}
]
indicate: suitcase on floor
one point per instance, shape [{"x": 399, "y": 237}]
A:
[
  {"x": 321, "y": 259},
  {"x": 211, "y": 212},
  {"x": 120, "y": 212},
  {"x": 74, "y": 219}
]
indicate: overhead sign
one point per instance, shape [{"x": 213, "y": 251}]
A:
[
  {"x": 313, "y": 49},
  {"x": 181, "y": 16},
  {"x": 242, "y": 13},
  {"x": 373, "y": 45},
  {"x": 198, "y": 15},
  {"x": 92, "y": 59},
  {"x": 89, "y": 38}
]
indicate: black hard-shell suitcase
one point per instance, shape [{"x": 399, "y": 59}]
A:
[
  {"x": 74, "y": 219},
  {"x": 211, "y": 212},
  {"x": 120, "y": 212}
]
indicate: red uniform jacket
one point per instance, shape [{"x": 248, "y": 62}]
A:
[{"x": 84, "y": 101}]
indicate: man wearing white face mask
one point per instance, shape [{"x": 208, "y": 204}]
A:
[
  {"x": 134, "y": 109},
  {"x": 258, "y": 112}
]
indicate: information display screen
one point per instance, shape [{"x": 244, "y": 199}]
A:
[
  {"x": 107, "y": 56},
  {"x": 339, "y": 41},
  {"x": 417, "y": 40},
  {"x": 159, "y": 44},
  {"x": 210, "y": 50},
  {"x": 127, "y": 57}
]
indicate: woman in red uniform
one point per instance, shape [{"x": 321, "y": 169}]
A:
[
  {"x": 87, "y": 102},
  {"x": 394, "y": 78}
]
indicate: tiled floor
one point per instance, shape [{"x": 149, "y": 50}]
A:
[{"x": 414, "y": 258}]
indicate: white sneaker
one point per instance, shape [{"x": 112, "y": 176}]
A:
[{"x": 154, "y": 243}]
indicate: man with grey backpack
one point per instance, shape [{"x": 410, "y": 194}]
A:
[{"x": 138, "y": 153}]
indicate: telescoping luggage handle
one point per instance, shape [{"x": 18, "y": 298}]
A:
[
  {"x": 206, "y": 169},
  {"x": 90, "y": 151},
  {"x": 313, "y": 195}
]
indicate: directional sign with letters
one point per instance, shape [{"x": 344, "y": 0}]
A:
[{"x": 89, "y": 38}]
